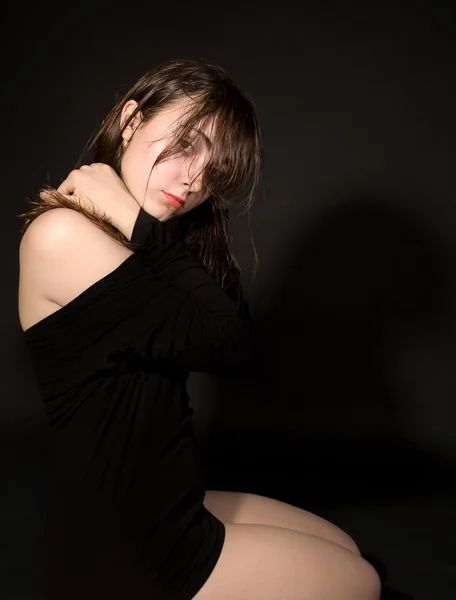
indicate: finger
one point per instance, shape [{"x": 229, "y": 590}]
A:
[
  {"x": 68, "y": 185},
  {"x": 99, "y": 166},
  {"x": 66, "y": 188}
]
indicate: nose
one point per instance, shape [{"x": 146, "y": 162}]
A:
[{"x": 192, "y": 175}]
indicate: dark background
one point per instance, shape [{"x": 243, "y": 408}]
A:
[{"x": 351, "y": 413}]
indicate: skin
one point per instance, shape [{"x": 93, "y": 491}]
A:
[
  {"x": 179, "y": 175},
  {"x": 144, "y": 183},
  {"x": 272, "y": 549}
]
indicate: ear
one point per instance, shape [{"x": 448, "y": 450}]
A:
[{"x": 127, "y": 110}]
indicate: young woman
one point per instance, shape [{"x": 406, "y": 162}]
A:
[{"x": 128, "y": 283}]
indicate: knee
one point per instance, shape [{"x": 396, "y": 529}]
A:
[{"x": 370, "y": 580}]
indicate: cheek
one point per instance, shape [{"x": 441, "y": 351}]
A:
[
  {"x": 138, "y": 171},
  {"x": 133, "y": 167},
  {"x": 169, "y": 170}
]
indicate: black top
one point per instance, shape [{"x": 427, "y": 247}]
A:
[{"x": 126, "y": 516}]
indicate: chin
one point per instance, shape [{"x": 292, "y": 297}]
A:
[
  {"x": 161, "y": 213},
  {"x": 164, "y": 218},
  {"x": 169, "y": 215}
]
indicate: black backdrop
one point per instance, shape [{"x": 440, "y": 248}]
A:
[{"x": 354, "y": 298}]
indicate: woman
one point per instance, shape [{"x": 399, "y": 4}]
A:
[{"x": 128, "y": 283}]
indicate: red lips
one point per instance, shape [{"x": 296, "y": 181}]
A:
[{"x": 175, "y": 201}]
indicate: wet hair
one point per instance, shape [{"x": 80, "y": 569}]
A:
[{"x": 230, "y": 175}]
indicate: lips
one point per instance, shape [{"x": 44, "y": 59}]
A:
[{"x": 174, "y": 200}]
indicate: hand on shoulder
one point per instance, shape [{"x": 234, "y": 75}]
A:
[{"x": 99, "y": 188}]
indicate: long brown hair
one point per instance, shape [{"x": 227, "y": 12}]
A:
[{"x": 233, "y": 170}]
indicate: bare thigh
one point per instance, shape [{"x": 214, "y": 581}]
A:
[
  {"x": 245, "y": 508},
  {"x": 260, "y": 562}
]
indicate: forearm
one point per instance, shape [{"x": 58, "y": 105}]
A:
[
  {"x": 190, "y": 320},
  {"x": 170, "y": 258}
]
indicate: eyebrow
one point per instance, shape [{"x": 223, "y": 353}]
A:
[{"x": 206, "y": 139}]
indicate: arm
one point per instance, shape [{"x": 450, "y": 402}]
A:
[
  {"x": 200, "y": 328},
  {"x": 170, "y": 258}
]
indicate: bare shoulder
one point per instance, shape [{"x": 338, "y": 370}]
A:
[
  {"x": 62, "y": 226},
  {"x": 61, "y": 254}
]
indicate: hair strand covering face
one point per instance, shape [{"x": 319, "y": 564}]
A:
[{"x": 231, "y": 174}]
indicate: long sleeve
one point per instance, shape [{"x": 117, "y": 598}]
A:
[{"x": 195, "y": 326}]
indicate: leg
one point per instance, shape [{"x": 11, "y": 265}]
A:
[
  {"x": 237, "y": 507},
  {"x": 259, "y": 562}
]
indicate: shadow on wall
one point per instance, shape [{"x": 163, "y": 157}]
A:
[
  {"x": 322, "y": 391},
  {"x": 364, "y": 270}
]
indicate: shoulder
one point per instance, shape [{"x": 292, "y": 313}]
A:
[
  {"x": 60, "y": 226},
  {"x": 62, "y": 252}
]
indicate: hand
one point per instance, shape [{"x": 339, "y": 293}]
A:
[{"x": 98, "y": 187}]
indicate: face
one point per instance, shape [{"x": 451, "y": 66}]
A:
[{"x": 178, "y": 176}]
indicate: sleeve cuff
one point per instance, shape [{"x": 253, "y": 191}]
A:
[{"x": 142, "y": 227}]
